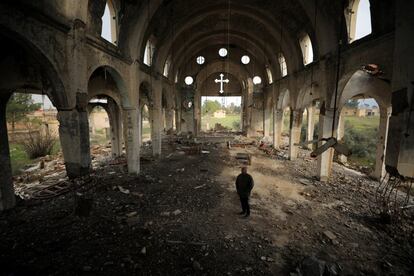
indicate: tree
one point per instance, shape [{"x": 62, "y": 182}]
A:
[
  {"x": 18, "y": 107},
  {"x": 353, "y": 103},
  {"x": 209, "y": 107}
]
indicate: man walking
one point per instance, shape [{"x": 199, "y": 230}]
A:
[{"x": 244, "y": 186}]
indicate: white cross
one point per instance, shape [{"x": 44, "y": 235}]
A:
[{"x": 222, "y": 81}]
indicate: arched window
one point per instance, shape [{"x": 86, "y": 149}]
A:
[
  {"x": 358, "y": 19},
  {"x": 109, "y": 26},
  {"x": 269, "y": 75},
  {"x": 283, "y": 65},
  {"x": 149, "y": 52},
  {"x": 307, "y": 49},
  {"x": 167, "y": 67}
]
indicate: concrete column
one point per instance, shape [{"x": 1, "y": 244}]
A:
[
  {"x": 74, "y": 140},
  {"x": 115, "y": 121},
  {"x": 310, "y": 130},
  {"x": 169, "y": 118},
  {"x": 325, "y": 160},
  {"x": 341, "y": 133},
  {"x": 132, "y": 117},
  {"x": 7, "y": 198},
  {"x": 156, "y": 119},
  {"x": 267, "y": 121},
  {"x": 277, "y": 128},
  {"x": 382, "y": 141},
  {"x": 197, "y": 112},
  {"x": 295, "y": 129}
]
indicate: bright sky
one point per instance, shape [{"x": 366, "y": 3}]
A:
[
  {"x": 39, "y": 99},
  {"x": 106, "y": 27},
  {"x": 363, "y": 19}
]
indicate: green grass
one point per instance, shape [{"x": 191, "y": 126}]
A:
[
  {"x": 362, "y": 123},
  {"x": 19, "y": 158},
  {"x": 228, "y": 121}
]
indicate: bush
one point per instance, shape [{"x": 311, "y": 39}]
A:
[
  {"x": 362, "y": 144},
  {"x": 236, "y": 125},
  {"x": 39, "y": 145}
]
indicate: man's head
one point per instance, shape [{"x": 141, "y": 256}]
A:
[{"x": 244, "y": 170}]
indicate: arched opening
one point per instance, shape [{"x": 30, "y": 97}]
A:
[
  {"x": 105, "y": 129},
  {"x": 365, "y": 108},
  {"x": 358, "y": 128},
  {"x": 358, "y": 18},
  {"x": 283, "y": 65},
  {"x": 33, "y": 130},
  {"x": 99, "y": 132},
  {"x": 26, "y": 71},
  {"x": 145, "y": 124},
  {"x": 221, "y": 113},
  {"x": 149, "y": 52},
  {"x": 109, "y": 23},
  {"x": 220, "y": 103},
  {"x": 167, "y": 67},
  {"x": 145, "y": 104},
  {"x": 307, "y": 49},
  {"x": 269, "y": 75},
  {"x": 287, "y": 120}
]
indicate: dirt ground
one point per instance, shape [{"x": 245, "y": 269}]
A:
[{"x": 179, "y": 217}]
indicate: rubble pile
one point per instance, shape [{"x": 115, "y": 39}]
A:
[{"x": 179, "y": 217}]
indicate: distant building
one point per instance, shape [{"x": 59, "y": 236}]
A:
[
  {"x": 361, "y": 111},
  {"x": 219, "y": 114}
]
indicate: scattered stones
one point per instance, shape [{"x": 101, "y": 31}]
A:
[
  {"x": 177, "y": 212},
  {"x": 197, "y": 266}
]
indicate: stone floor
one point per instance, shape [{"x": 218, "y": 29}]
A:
[{"x": 179, "y": 217}]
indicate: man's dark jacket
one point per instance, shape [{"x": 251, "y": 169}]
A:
[{"x": 244, "y": 185}]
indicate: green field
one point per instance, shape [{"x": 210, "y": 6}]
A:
[
  {"x": 362, "y": 123},
  {"x": 229, "y": 121}
]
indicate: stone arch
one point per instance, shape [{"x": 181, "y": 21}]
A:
[
  {"x": 114, "y": 112},
  {"x": 363, "y": 84},
  {"x": 47, "y": 78},
  {"x": 113, "y": 82}
]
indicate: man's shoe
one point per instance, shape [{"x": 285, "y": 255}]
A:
[
  {"x": 247, "y": 215},
  {"x": 242, "y": 213}
]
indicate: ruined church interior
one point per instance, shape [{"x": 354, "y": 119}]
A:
[{"x": 193, "y": 91}]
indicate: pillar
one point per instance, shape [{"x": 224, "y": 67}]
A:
[
  {"x": 156, "y": 119},
  {"x": 74, "y": 137},
  {"x": 267, "y": 118},
  {"x": 325, "y": 160},
  {"x": 169, "y": 118},
  {"x": 132, "y": 119},
  {"x": 400, "y": 143},
  {"x": 341, "y": 133},
  {"x": 310, "y": 130},
  {"x": 7, "y": 198},
  {"x": 115, "y": 121},
  {"x": 385, "y": 114},
  {"x": 277, "y": 128},
  {"x": 295, "y": 129}
]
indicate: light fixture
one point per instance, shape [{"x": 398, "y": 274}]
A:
[
  {"x": 223, "y": 52},
  {"x": 189, "y": 80},
  {"x": 245, "y": 60},
  {"x": 201, "y": 60},
  {"x": 257, "y": 80}
]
